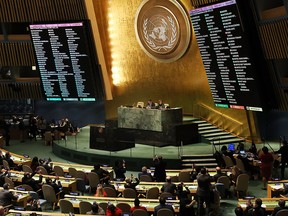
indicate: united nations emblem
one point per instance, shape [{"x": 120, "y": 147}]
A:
[{"x": 163, "y": 29}]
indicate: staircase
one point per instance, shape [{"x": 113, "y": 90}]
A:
[
  {"x": 211, "y": 134},
  {"x": 205, "y": 160}
]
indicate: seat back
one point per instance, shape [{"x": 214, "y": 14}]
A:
[
  {"x": 145, "y": 178},
  {"x": 129, "y": 193},
  {"x": 165, "y": 212},
  {"x": 111, "y": 192},
  {"x": 6, "y": 165},
  {"x": 81, "y": 186},
  {"x": 27, "y": 168},
  {"x": 103, "y": 205},
  {"x": 58, "y": 171},
  {"x": 93, "y": 179},
  {"x": 228, "y": 161},
  {"x": 224, "y": 180},
  {"x": 43, "y": 170},
  {"x": 221, "y": 189},
  {"x": 165, "y": 195},
  {"x": 25, "y": 186},
  {"x": 10, "y": 182},
  {"x": 72, "y": 172},
  {"x": 49, "y": 193},
  {"x": 140, "y": 212},
  {"x": 84, "y": 207},
  {"x": 152, "y": 193},
  {"x": 240, "y": 165},
  {"x": 66, "y": 206},
  {"x": 184, "y": 176},
  {"x": 242, "y": 183},
  {"x": 81, "y": 174},
  {"x": 283, "y": 212},
  {"x": 125, "y": 207}
]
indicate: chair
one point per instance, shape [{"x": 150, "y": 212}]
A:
[
  {"x": 152, "y": 193},
  {"x": 6, "y": 165},
  {"x": 48, "y": 137},
  {"x": 165, "y": 212},
  {"x": 221, "y": 189},
  {"x": 27, "y": 168},
  {"x": 228, "y": 161},
  {"x": 94, "y": 180},
  {"x": 145, "y": 178},
  {"x": 50, "y": 195},
  {"x": 225, "y": 180},
  {"x": 165, "y": 195},
  {"x": 10, "y": 182},
  {"x": 81, "y": 174},
  {"x": 240, "y": 165},
  {"x": 174, "y": 179},
  {"x": 43, "y": 170},
  {"x": 140, "y": 212},
  {"x": 129, "y": 193},
  {"x": 111, "y": 192},
  {"x": 81, "y": 186},
  {"x": 184, "y": 176},
  {"x": 283, "y": 212},
  {"x": 84, "y": 207},
  {"x": 103, "y": 205},
  {"x": 140, "y": 104},
  {"x": 242, "y": 184},
  {"x": 72, "y": 172},
  {"x": 58, "y": 171},
  {"x": 66, "y": 206},
  {"x": 125, "y": 207}
]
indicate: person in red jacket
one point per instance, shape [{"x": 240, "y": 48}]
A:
[{"x": 112, "y": 210}]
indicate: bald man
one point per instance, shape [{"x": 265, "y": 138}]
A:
[{"x": 218, "y": 174}]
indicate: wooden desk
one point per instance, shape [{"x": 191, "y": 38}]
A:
[
  {"x": 22, "y": 197},
  {"x": 274, "y": 187},
  {"x": 13, "y": 212},
  {"x": 18, "y": 159},
  {"x": 68, "y": 183},
  {"x": 268, "y": 203},
  {"x": 148, "y": 203}
]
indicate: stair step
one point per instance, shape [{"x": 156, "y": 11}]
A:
[
  {"x": 200, "y": 121},
  {"x": 199, "y": 160},
  {"x": 204, "y": 124},
  {"x": 210, "y": 131},
  {"x": 207, "y": 128},
  {"x": 227, "y": 141},
  {"x": 201, "y": 165},
  {"x": 228, "y": 136},
  {"x": 197, "y": 156},
  {"x": 215, "y": 134}
]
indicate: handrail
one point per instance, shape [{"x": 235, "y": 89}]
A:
[{"x": 200, "y": 107}]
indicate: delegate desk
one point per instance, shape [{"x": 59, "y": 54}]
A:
[
  {"x": 13, "y": 212},
  {"x": 142, "y": 187},
  {"x": 18, "y": 159},
  {"x": 80, "y": 167},
  {"x": 148, "y": 203},
  {"x": 268, "y": 203},
  {"x": 67, "y": 183},
  {"x": 148, "y": 119},
  {"x": 22, "y": 197},
  {"x": 275, "y": 187}
]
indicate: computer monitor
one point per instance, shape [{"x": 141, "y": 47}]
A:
[{"x": 231, "y": 147}]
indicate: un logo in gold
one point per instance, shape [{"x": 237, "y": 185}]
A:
[{"x": 163, "y": 29}]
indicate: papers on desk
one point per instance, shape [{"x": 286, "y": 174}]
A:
[
  {"x": 243, "y": 205},
  {"x": 277, "y": 187}
]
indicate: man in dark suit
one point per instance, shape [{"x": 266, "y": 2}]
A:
[
  {"x": 218, "y": 174},
  {"x": 28, "y": 179},
  {"x": 284, "y": 156},
  {"x": 6, "y": 196},
  {"x": 100, "y": 172},
  {"x": 169, "y": 187},
  {"x": 162, "y": 205},
  {"x": 203, "y": 191},
  {"x": 281, "y": 205},
  {"x": 160, "y": 169}
]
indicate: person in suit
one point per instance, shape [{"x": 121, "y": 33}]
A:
[
  {"x": 120, "y": 169},
  {"x": 160, "y": 169},
  {"x": 33, "y": 205},
  {"x": 281, "y": 206},
  {"x": 129, "y": 183},
  {"x": 169, "y": 187},
  {"x": 6, "y": 196},
  {"x": 203, "y": 191},
  {"x": 218, "y": 174},
  {"x": 100, "y": 172},
  {"x": 162, "y": 204},
  {"x": 284, "y": 156},
  {"x": 257, "y": 209},
  {"x": 28, "y": 179},
  {"x": 150, "y": 104},
  {"x": 144, "y": 172}
]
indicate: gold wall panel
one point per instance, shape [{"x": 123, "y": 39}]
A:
[{"x": 182, "y": 83}]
